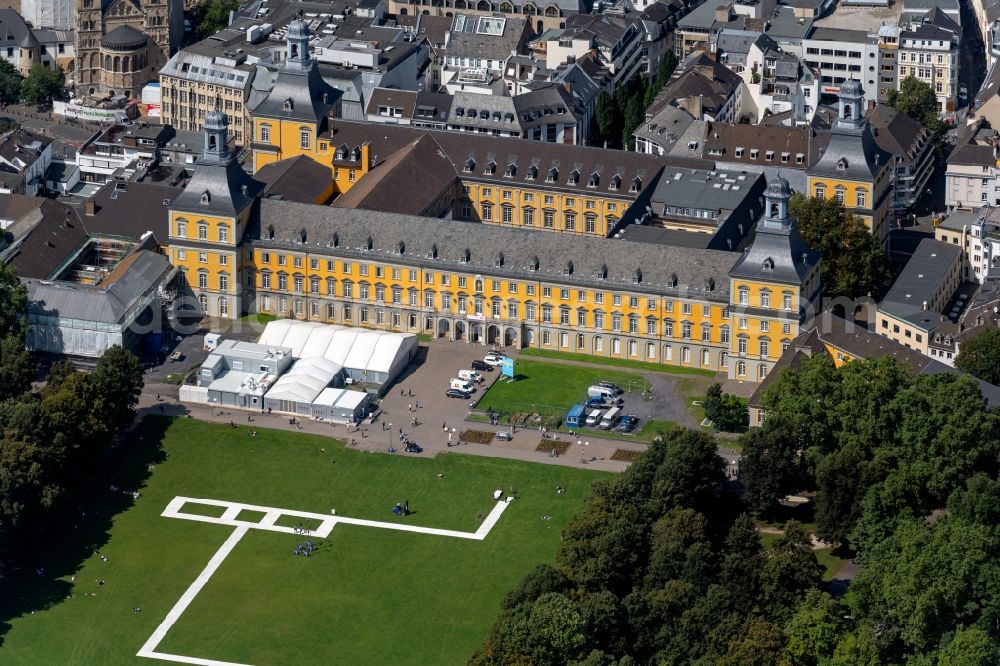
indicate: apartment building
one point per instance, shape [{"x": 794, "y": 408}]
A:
[
  {"x": 971, "y": 176},
  {"x": 841, "y": 55},
  {"x": 929, "y": 51},
  {"x": 911, "y": 147},
  {"x": 912, "y": 310},
  {"x": 616, "y": 41},
  {"x": 543, "y": 14}
]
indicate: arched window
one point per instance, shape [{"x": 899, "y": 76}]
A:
[{"x": 741, "y": 369}]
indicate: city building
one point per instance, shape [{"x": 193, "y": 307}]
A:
[
  {"x": 977, "y": 235},
  {"x": 49, "y": 14},
  {"x": 23, "y": 45},
  {"x": 208, "y": 221},
  {"x": 778, "y": 82},
  {"x": 774, "y": 289},
  {"x": 665, "y": 124},
  {"x": 119, "y": 152},
  {"x": 476, "y": 51},
  {"x": 842, "y": 55},
  {"x": 911, "y": 147},
  {"x": 544, "y": 14},
  {"x": 409, "y": 107},
  {"x": 120, "y": 46},
  {"x": 914, "y": 306},
  {"x": 853, "y": 169},
  {"x": 616, "y": 41},
  {"x": 25, "y": 158},
  {"x": 929, "y": 51},
  {"x": 970, "y": 179},
  {"x": 705, "y": 88}
]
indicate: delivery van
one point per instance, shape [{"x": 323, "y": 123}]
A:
[
  {"x": 610, "y": 418},
  {"x": 594, "y": 418},
  {"x": 462, "y": 385},
  {"x": 470, "y": 376}
]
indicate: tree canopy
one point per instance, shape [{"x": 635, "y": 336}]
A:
[
  {"x": 980, "y": 356},
  {"x": 917, "y": 100},
  {"x": 42, "y": 84},
  {"x": 10, "y": 82},
  {"x": 854, "y": 263},
  {"x": 212, "y": 16}
]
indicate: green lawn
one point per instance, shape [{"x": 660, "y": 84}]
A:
[
  {"x": 617, "y": 362},
  {"x": 258, "y": 318},
  {"x": 551, "y": 388},
  {"x": 368, "y": 596}
]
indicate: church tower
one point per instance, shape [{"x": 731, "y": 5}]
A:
[{"x": 773, "y": 289}]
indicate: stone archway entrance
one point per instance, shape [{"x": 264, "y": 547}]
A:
[
  {"x": 492, "y": 334},
  {"x": 476, "y": 333},
  {"x": 444, "y": 328},
  {"x": 510, "y": 337},
  {"x": 460, "y": 330}
]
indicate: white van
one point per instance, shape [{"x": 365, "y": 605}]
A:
[
  {"x": 602, "y": 392},
  {"x": 462, "y": 385},
  {"x": 593, "y": 418},
  {"x": 470, "y": 376},
  {"x": 610, "y": 418}
]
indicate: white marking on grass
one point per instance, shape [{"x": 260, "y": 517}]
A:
[{"x": 174, "y": 509}]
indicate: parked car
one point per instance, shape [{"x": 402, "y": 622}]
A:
[
  {"x": 597, "y": 403},
  {"x": 494, "y": 359},
  {"x": 613, "y": 387},
  {"x": 455, "y": 393},
  {"x": 481, "y": 366},
  {"x": 593, "y": 418},
  {"x": 628, "y": 423}
]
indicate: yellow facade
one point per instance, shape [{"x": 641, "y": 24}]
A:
[
  {"x": 331, "y": 289},
  {"x": 277, "y": 139},
  {"x": 535, "y": 207},
  {"x": 765, "y": 321},
  {"x": 858, "y": 195}
]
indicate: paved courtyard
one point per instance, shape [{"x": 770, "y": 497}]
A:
[{"x": 421, "y": 388}]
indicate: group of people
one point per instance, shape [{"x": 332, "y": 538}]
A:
[{"x": 305, "y": 549}]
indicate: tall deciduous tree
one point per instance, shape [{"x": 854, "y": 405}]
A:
[
  {"x": 854, "y": 263},
  {"x": 10, "y": 82},
  {"x": 42, "y": 84},
  {"x": 917, "y": 100},
  {"x": 980, "y": 356},
  {"x": 118, "y": 378}
]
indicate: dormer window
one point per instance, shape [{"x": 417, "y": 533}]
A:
[
  {"x": 368, "y": 243},
  {"x": 336, "y": 240},
  {"x": 710, "y": 284},
  {"x": 433, "y": 254},
  {"x": 356, "y": 154},
  {"x": 498, "y": 260},
  {"x": 206, "y": 198},
  {"x": 842, "y": 164},
  {"x": 533, "y": 264},
  {"x": 302, "y": 235},
  {"x": 768, "y": 265},
  {"x": 470, "y": 165},
  {"x": 602, "y": 272},
  {"x": 637, "y": 276},
  {"x": 287, "y": 106},
  {"x": 491, "y": 168},
  {"x": 341, "y": 153},
  {"x": 459, "y": 112},
  {"x": 569, "y": 268},
  {"x": 532, "y": 172},
  {"x": 511, "y": 170},
  {"x": 636, "y": 185},
  {"x": 672, "y": 282},
  {"x": 616, "y": 182},
  {"x": 270, "y": 232},
  {"x": 552, "y": 176},
  {"x": 400, "y": 247},
  {"x": 595, "y": 180},
  {"x": 574, "y": 178},
  {"x": 466, "y": 256}
]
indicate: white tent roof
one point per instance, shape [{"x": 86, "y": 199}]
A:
[
  {"x": 354, "y": 348},
  {"x": 338, "y": 397},
  {"x": 305, "y": 380}
]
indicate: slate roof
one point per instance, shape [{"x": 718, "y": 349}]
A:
[
  {"x": 465, "y": 43},
  {"x": 394, "y": 186},
  {"x": 46, "y": 246},
  {"x": 124, "y": 37},
  {"x": 897, "y": 133},
  {"x": 919, "y": 280},
  {"x": 443, "y": 244},
  {"x": 794, "y": 141},
  {"x": 128, "y": 210},
  {"x": 974, "y": 145},
  {"x": 666, "y": 126},
  {"x": 776, "y": 253},
  {"x": 855, "y": 150},
  {"x": 298, "y": 95},
  {"x": 296, "y": 179},
  {"x": 224, "y": 183}
]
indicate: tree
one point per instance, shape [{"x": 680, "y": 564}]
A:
[
  {"x": 118, "y": 378},
  {"x": 10, "y": 82},
  {"x": 543, "y": 579},
  {"x": 771, "y": 465},
  {"x": 42, "y": 84},
  {"x": 760, "y": 644},
  {"x": 790, "y": 570},
  {"x": 980, "y": 356},
  {"x": 13, "y": 302},
  {"x": 213, "y": 15},
  {"x": 668, "y": 63},
  {"x": 690, "y": 474},
  {"x": 924, "y": 580},
  {"x": 727, "y": 412},
  {"x": 17, "y": 368},
  {"x": 854, "y": 263},
  {"x": 815, "y": 629},
  {"x": 970, "y": 647},
  {"x": 917, "y": 100},
  {"x": 604, "y": 119}
]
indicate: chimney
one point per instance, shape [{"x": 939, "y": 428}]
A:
[{"x": 90, "y": 207}]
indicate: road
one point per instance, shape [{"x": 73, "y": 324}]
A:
[{"x": 972, "y": 65}]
